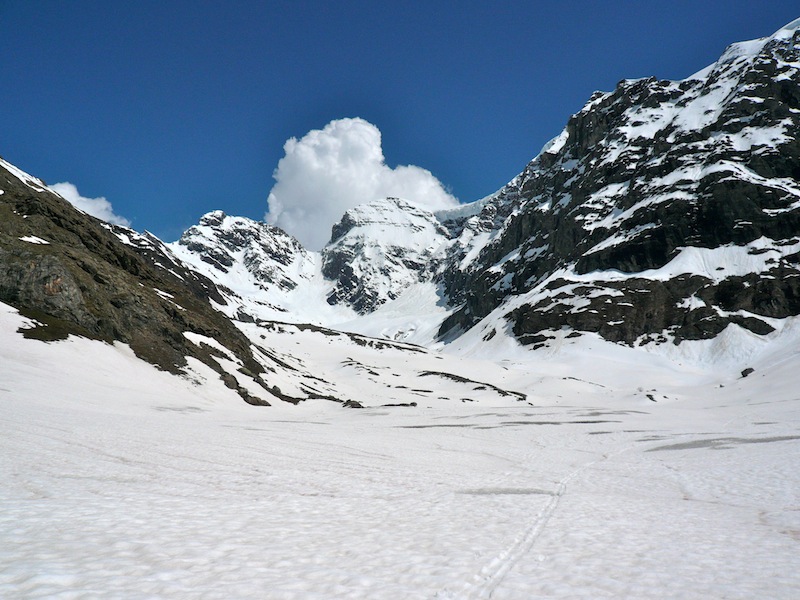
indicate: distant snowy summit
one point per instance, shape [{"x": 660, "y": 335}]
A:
[
  {"x": 378, "y": 250},
  {"x": 238, "y": 251}
]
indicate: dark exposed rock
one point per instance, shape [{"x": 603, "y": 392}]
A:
[
  {"x": 638, "y": 176},
  {"x": 76, "y": 275}
]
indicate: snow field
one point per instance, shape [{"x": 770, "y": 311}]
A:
[{"x": 121, "y": 481}]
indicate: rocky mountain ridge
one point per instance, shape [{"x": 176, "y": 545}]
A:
[
  {"x": 70, "y": 274},
  {"x": 665, "y": 211},
  {"x": 657, "y": 195},
  {"x": 76, "y": 275}
]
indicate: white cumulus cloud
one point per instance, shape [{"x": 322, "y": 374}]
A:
[
  {"x": 97, "y": 207},
  {"x": 331, "y": 170}
]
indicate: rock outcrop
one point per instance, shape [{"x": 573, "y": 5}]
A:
[
  {"x": 75, "y": 274},
  {"x": 664, "y": 210}
]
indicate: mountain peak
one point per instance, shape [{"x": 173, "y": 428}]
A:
[
  {"x": 652, "y": 194},
  {"x": 238, "y": 252},
  {"x": 380, "y": 248},
  {"x": 381, "y": 213},
  {"x": 213, "y": 218}
]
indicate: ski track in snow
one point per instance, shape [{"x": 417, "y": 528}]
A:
[{"x": 491, "y": 576}]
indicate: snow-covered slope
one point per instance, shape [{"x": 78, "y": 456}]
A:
[{"x": 627, "y": 478}]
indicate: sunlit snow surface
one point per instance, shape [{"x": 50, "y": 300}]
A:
[{"x": 122, "y": 481}]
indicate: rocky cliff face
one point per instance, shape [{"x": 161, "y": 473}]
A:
[
  {"x": 75, "y": 274},
  {"x": 664, "y": 210}
]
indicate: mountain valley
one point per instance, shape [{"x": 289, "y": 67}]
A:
[{"x": 584, "y": 384}]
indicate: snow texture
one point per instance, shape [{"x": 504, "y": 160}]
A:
[{"x": 627, "y": 476}]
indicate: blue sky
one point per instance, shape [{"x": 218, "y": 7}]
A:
[{"x": 172, "y": 109}]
